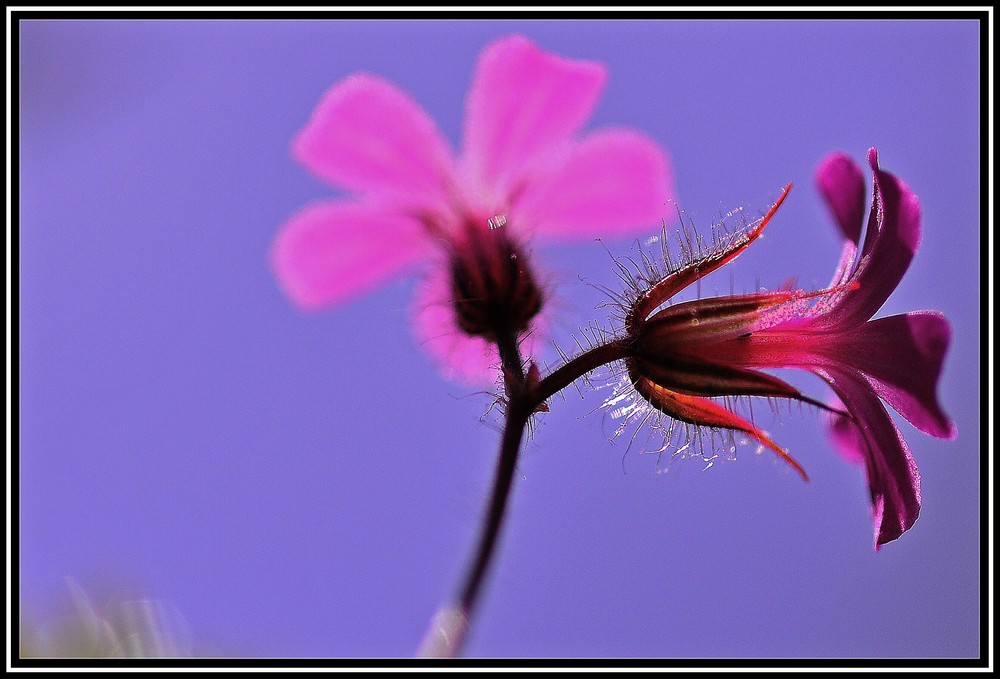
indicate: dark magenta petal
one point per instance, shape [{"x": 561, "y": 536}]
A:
[
  {"x": 846, "y": 436},
  {"x": 843, "y": 187},
  {"x": 902, "y": 356},
  {"x": 893, "y": 478},
  {"x": 891, "y": 240},
  {"x": 901, "y": 223},
  {"x": 845, "y": 267}
]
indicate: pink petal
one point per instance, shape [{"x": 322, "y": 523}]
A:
[
  {"x": 523, "y": 103},
  {"x": 891, "y": 240},
  {"x": 460, "y": 357},
  {"x": 330, "y": 252},
  {"x": 840, "y": 181},
  {"x": 845, "y": 267},
  {"x": 901, "y": 224},
  {"x": 893, "y": 478},
  {"x": 902, "y": 357},
  {"x": 368, "y": 135},
  {"x": 843, "y": 187},
  {"x": 846, "y": 437},
  {"x": 613, "y": 183}
]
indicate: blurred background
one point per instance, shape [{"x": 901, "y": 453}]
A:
[{"x": 294, "y": 485}]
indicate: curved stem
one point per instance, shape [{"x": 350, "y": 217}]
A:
[
  {"x": 448, "y": 629},
  {"x": 503, "y": 481},
  {"x": 577, "y": 367},
  {"x": 446, "y": 636}
]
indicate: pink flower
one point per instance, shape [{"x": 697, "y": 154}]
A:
[
  {"x": 687, "y": 352},
  {"x": 522, "y": 172}
]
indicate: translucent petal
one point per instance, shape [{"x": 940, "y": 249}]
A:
[
  {"x": 523, "y": 103},
  {"x": 368, "y": 135},
  {"x": 330, "y": 252},
  {"x": 893, "y": 478},
  {"x": 612, "y": 183}
]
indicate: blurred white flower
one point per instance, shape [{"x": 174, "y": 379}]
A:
[{"x": 122, "y": 628}]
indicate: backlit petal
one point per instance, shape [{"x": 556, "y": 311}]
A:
[
  {"x": 368, "y": 135},
  {"x": 891, "y": 239},
  {"x": 329, "y": 252},
  {"x": 715, "y": 319},
  {"x": 613, "y": 183},
  {"x": 845, "y": 267},
  {"x": 893, "y": 478},
  {"x": 523, "y": 103},
  {"x": 902, "y": 355},
  {"x": 843, "y": 187},
  {"x": 845, "y": 435}
]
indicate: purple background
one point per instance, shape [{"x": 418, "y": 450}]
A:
[{"x": 304, "y": 485}]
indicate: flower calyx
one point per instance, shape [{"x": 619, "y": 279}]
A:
[{"x": 493, "y": 287}]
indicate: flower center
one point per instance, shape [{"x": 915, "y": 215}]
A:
[{"x": 493, "y": 287}]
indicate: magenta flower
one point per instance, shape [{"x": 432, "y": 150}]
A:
[
  {"x": 522, "y": 172},
  {"x": 687, "y": 352}
]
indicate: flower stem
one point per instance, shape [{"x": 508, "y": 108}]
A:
[
  {"x": 503, "y": 481},
  {"x": 510, "y": 361},
  {"x": 450, "y": 625},
  {"x": 577, "y": 367}
]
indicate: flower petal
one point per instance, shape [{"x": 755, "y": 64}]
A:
[
  {"x": 843, "y": 187},
  {"x": 891, "y": 240},
  {"x": 329, "y": 252},
  {"x": 846, "y": 437},
  {"x": 840, "y": 181},
  {"x": 613, "y": 183},
  {"x": 893, "y": 478},
  {"x": 368, "y": 135},
  {"x": 902, "y": 356},
  {"x": 845, "y": 267},
  {"x": 460, "y": 357},
  {"x": 523, "y": 103}
]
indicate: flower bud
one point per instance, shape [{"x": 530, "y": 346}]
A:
[{"x": 672, "y": 361}]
